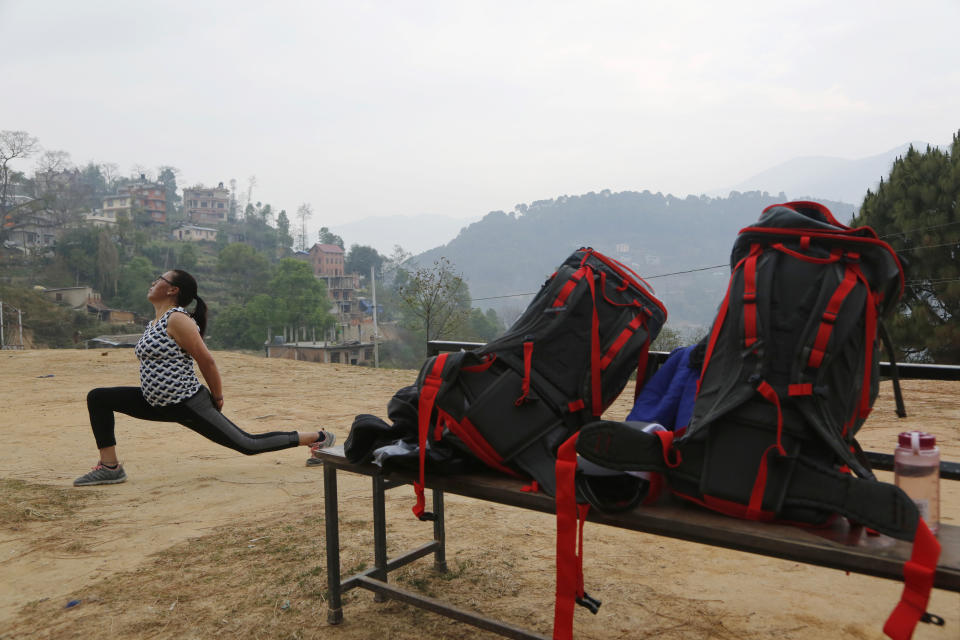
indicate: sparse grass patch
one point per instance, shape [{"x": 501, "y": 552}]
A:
[
  {"x": 266, "y": 580},
  {"x": 26, "y": 501}
]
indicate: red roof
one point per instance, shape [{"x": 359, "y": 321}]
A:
[{"x": 328, "y": 248}]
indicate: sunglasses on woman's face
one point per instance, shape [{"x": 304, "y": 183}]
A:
[{"x": 165, "y": 280}]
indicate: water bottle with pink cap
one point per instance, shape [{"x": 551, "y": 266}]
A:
[{"x": 916, "y": 468}]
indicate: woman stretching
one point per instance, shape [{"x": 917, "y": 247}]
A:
[{"x": 169, "y": 390}]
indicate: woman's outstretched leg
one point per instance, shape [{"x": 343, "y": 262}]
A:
[
  {"x": 102, "y": 403},
  {"x": 201, "y": 415}
]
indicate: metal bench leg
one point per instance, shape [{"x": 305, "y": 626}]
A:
[
  {"x": 379, "y": 535},
  {"x": 332, "y": 525},
  {"x": 439, "y": 533}
]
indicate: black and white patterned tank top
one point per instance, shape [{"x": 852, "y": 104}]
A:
[{"x": 166, "y": 371}]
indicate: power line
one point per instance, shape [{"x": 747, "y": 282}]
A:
[
  {"x": 724, "y": 266},
  {"x": 509, "y": 295},
  {"x": 928, "y": 282},
  {"x": 659, "y": 275},
  {"x": 930, "y": 246},
  {"x": 905, "y": 232},
  {"x": 677, "y": 273}
]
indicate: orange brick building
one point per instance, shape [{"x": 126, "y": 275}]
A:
[{"x": 149, "y": 197}]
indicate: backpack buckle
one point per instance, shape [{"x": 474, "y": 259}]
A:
[
  {"x": 932, "y": 618},
  {"x": 590, "y": 603}
]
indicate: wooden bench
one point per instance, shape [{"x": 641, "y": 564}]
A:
[
  {"x": 842, "y": 546},
  {"x": 839, "y": 547}
]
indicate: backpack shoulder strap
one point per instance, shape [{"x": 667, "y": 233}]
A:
[
  {"x": 435, "y": 372},
  {"x": 894, "y": 374}
]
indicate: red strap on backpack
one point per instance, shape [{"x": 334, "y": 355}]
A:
[
  {"x": 487, "y": 362},
  {"x": 471, "y": 437},
  {"x": 666, "y": 446},
  {"x": 527, "y": 363},
  {"x": 755, "y": 506},
  {"x": 918, "y": 573},
  {"x": 718, "y": 323},
  {"x": 750, "y": 296},
  {"x": 428, "y": 395},
  {"x": 596, "y": 385},
  {"x": 570, "y": 519},
  {"x": 568, "y": 287},
  {"x": 830, "y": 315},
  {"x": 622, "y": 339}
]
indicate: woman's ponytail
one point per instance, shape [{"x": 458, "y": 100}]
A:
[
  {"x": 188, "y": 293},
  {"x": 199, "y": 315}
]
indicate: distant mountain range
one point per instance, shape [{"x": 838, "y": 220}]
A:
[
  {"x": 834, "y": 179},
  {"x": 825, "y": 177},
  {"x": 681, "y": 244}
]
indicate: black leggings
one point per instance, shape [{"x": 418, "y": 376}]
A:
[{"x": 196, "y": 412}]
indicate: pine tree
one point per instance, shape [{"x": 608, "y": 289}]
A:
[{"x": 917, "y": 210}]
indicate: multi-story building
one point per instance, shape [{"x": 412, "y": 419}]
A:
[
  {"x": 149, "y": 197},
  {"x": 206, "y": 206},
  {"x": 327, "y": 260},
  {"x": 329, "y": 266}
]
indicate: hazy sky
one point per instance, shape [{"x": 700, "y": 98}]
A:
[{"x": 459, "y": 108}]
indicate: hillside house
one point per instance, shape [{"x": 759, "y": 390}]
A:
[
  {"x": 73, "y": 297},
  {"x": 206, "y": 206},
  {"x": 149, "y": 197},
  {"x": 345, "y": 353},
  {"x": 327, "y": 259},
  {"x": 95, "y": 306},
  {"x": 30, "y": 232},
  {"x": 191, "y": 233},
  {"x": 86, "y": 299},
  {"x": 101, "y": 219}
]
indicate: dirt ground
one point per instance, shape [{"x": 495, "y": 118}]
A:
[{"x": 203, "y": 542}]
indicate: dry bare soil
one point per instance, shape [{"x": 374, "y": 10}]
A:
[{"x": 202, "y": 542}]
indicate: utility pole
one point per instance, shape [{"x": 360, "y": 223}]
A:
[{"x": 376, "y": 343}]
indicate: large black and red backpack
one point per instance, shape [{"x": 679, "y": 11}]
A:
[
  {"x": 512, "y": 402},
  {"x": 790, "y": 374}
]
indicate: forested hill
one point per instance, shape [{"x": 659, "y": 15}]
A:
[{"x": 654, "y": 234}]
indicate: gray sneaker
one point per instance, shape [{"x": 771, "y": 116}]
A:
[
  {"x": 327, "y": 439},
  {"x": 102, "y": 475}
]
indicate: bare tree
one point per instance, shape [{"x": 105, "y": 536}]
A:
[
  {"x": 304, "y": 212},
  {"x": 439, "y": 297},
  {"x": 52, "y": 161},
  {"x": 138, "y": 170},
  {"x": 14, "y": 145},
  {"x": 110, "y": 172},
  {"x": 57, "y": 183}
]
